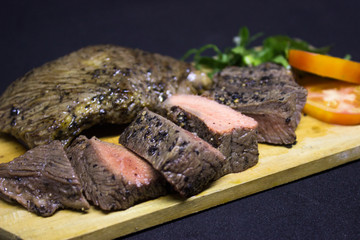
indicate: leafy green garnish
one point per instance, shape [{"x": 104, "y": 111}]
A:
[
  {"x": 347, "y": 57},
  {"x": 273, "y": 49}
]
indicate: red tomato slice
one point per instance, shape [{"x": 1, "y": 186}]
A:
[
  {"x": 332, "y": 101},
  {"x": 325, "y": 66}
]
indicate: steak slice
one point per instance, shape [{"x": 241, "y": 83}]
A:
[
  {"x": 228, "y": 130},
  {"x": 113, "y": 177},
  {"x": 42, "y": 180},
  {"x": 268, "y": 93},
  {"x": 96, "y": 84},
  {"x": 188, "y": 163}
]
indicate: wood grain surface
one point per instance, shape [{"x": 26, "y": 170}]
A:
[{"x": 319, "y": 147}]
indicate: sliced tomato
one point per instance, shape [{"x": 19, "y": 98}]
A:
[
  {"x": 332, "y": 101},
  {"x": 324, "y": 65}
]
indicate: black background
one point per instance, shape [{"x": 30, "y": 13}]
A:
[{"x": 323, "y": 206}]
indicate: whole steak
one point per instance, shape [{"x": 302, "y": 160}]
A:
[{"x": 96, "y": 84}]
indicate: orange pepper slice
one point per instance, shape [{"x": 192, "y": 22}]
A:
[{"x": 325, "y": 66}]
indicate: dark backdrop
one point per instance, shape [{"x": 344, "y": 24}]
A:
[{"x": 323, "y": 206}]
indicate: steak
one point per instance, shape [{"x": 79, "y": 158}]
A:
[
  {"x": 228, "y": 130},
  {"x": 268, "y": 93},
  {"x": 42, "y": 180},
  {"x": 113, "y": 178},
  {"x": 187, "y": 162},
  {"x": 96, "y": 84}
]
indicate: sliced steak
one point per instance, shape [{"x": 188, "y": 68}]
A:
[
  {"x": 224, "y": 128},
  {"x": 96, "y": 84},
  {"x": 113, "y": 177},
  {"x": 268, "y": 93},
  {"x": 42, "y": 180},
  {"x": 188, "y": 163}
]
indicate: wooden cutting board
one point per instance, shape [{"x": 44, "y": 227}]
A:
[{"x": 320, "y": 146}]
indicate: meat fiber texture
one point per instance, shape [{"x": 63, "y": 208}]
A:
[
  {"x": 268, "y": 93},
  {"x": 187, "y": 162},
  {"x": 42, "y": 180},
  {"x": 96, "y": 84},
  {"x": 114, "y": 178},
  {"x": 228, "y": 130}
]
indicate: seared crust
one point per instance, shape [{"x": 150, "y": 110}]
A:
[
  {"x": 103, "y": 186},
  {"x": 187, "y": 162},
  {"x": 42, "y": 180},
  {"x": 268, "y": 93},
  {"x": 93, "y": 85},
  {"x": 239, "y": 145}
]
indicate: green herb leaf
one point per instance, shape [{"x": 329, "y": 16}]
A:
[
  {"x": 274, "y": 49},
  {"x": 347, "y": 57}
]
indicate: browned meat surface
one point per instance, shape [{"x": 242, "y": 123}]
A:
[
  {"x": 113, "y": 177},
  {"x": 42, "y": 180},
  {"x": 96, "y": 84},
  {"x": 268, "y": 93},
  {"x": 188, "y": 163},
  {"x": 228, "y": 130}
]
